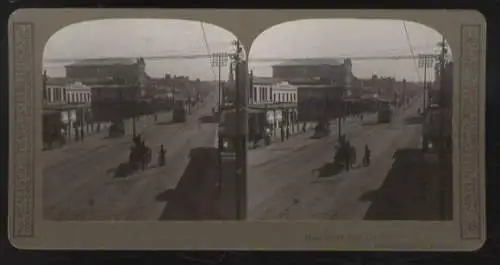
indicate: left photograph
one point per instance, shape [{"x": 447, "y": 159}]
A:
[{"x": 132, "y": 114}]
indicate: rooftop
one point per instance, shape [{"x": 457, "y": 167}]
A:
[
  {"x": 310, "y": 62},
  {"x": 263, "y": 80},
  {"x": 58, "y": 81},
  {"x": 104, "y": 61}
]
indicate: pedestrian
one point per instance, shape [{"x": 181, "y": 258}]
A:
[
  {"x": 366, "y": 157},
  {"x": 282, "y": 132},
  {"x": 347, "y": 154},
  {"x": 161, "y": 157},
  {"x": 156, "y": 117}
]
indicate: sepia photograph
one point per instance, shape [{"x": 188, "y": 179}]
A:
[
  {"x": 350, "y": 120},
  {"x": 131, "y": 119},
  {"x": 187, "y": 129}
]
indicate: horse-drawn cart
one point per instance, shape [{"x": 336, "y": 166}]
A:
[{"x": 140, "y": 157}]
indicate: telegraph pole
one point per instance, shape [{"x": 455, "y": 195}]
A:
[
  {"x": 442, "y": 141},
  {"x": 239, "y": 141},
  {"x": 442, "y": 101},
  {"x": 219, "y": 60},
  {"x": 425, "y": 61}
]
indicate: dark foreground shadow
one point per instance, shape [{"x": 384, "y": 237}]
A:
[
  {"x": 195, "y": 197},
  {"x": 416, "y": 188}
]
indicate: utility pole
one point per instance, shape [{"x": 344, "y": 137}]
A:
[
  {"x": 443, "y": 122},
  {"x": 239, "y": 140},
  {"x": 219, "y": 60},
  {"x": 442, "y": 102},
  {"x": 425, "y": 61}
]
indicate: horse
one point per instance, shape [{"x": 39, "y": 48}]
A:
[{"x": 140, "y": 156}]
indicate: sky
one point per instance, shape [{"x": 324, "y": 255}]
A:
[{"x": 296, "y": 39}]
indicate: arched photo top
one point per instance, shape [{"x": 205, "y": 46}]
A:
[
  {"x": 175, "y": 46},
  {"x": 384, "y": 47}
]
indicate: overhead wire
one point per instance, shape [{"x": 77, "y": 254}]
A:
[
  {"x": 408, "y": 39},
  {"x": 209, "y": 53}
]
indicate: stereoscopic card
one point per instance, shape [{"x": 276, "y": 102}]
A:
[{"x": 247, "y": 129}]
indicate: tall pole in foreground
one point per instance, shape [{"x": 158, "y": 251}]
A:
[
  {"x": 239, "y": 135},
  {"x": 442, "y": 102},
  {"x": 442, "y": 141},
  {"x": 219, "y": 60}
]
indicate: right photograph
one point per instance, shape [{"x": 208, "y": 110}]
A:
[{"x": 350, "y": 119}]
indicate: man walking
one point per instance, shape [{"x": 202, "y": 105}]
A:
[{"x": 366, "y": 158}]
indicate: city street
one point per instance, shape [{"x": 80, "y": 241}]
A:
[
  {"x": 288, "y": 180},
  {"x": 79, "y": 181}
]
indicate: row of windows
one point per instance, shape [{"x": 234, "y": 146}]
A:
[
  {"x": 61, "y": 95},
  {"x": 284, "y": 97},
  {"x": 265, "y": 94}
]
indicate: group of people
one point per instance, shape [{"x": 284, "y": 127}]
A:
[{"x": 346, "y": 153}]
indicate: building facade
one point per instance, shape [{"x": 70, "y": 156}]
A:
[
  {"x": 59, "y": 91},
  {"x": 284, "y": 92},
  {"x": 66, "y": 110},
  {"x": 328, "y": 71}
]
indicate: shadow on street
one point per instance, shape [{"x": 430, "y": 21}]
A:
[
  {"x": 414, "y": 120},
  {"x": 195, "y": 197},
  {"x": 370, "y": 123},
  {"x": 415, "y": 188},
  {"x": 165, "y": 196},
  {"x": 328, "y": 170},
  {"x": 166, "y": 123},
  {"x": 208, "y": 119}
]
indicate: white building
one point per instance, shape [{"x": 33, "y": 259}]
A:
[
  {"x": 261, "y": 91},
  {"x": 61, "y": 91},
  {"x": 284, "y": 92},
  {"x": 266, "y": 90},
  {"x": 78, "y": 93}
]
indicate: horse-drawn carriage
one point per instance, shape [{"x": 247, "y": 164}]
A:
[
  {"x": 345, "y": 154},
  {"x": 140, "y": 156}
]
